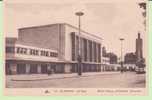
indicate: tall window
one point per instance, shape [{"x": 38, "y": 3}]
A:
[
  {"x": 85, "y": 50},
  {"x": 99, "y": 51},
  {"x": 95, "y": 54},
  {"x": 77, "y": 46},
  {"x": 90, "y": 47},
  {"x": 73, "y": 46}
]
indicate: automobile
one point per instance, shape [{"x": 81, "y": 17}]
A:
[
  {"x": 140, "y": 70},
  {"x": 140, "y": 67}
]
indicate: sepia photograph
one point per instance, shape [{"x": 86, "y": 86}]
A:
[{"x": 75, "y": 45}]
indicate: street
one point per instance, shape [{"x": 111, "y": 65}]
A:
[{"x": 103, "y": 80}]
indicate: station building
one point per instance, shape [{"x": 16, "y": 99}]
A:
[{"x": 41, "y": 48}]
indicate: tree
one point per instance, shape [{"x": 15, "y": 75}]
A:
[{"x": 143, "y": 6}]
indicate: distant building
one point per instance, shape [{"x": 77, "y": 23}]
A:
[
  {"x": 39, "y": 49},
  {"x": 130, "y": 62},
  {"x": 140, "y": 61},
  {"x": 104, "y": 52},
  {"x": 130, "y": 58},
  {"x": 133, "y": 60},
  {"x": 105, "y": 63},
  {"x": 112, "y": 57},
  {"x": 105, "y": 60}
]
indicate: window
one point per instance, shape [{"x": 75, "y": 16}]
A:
[
  {"x": 34, "y": 52},
  {"x": 47, "y": 53},
  {"x": 25, "y": 51},
  {"x": 21, "y": 50},
  {"x": 10, "y": 49},
  {"x": 18, "y": 50},
  {"x": 42, "y": 53},
  {"x": 53, "y": 54},
  {"x": 50, "y": 54}
]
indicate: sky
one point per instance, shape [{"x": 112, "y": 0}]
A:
[{"x": 110, "y": 21}]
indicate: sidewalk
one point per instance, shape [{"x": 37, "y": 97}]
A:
[{"x": 38, "y": 77}]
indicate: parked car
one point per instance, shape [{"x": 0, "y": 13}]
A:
[{"x": 140, "y": 70}]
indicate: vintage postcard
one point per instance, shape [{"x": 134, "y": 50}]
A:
[{"x": 74, "y": 48}]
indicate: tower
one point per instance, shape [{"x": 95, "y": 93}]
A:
[{"x": 139, "y": 46}]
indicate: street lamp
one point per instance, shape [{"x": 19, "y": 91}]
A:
[
  {"x": 79, "y": 14},
  {"x": 121, "y": 39}
]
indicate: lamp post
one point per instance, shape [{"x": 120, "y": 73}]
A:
[
  {"x": 79, "y": 14},
  {"x": 121, "y": 62}
]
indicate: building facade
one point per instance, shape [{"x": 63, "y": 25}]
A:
[
  {"x": 105, "y": 63},
  {"x": 130, "y": 58},
  {"x": 54, "y": 47}
]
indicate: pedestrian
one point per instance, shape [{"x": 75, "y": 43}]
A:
[{"x": 121, "y": 70}]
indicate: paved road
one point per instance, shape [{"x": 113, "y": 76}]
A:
[{"x": 113, "y": 80}]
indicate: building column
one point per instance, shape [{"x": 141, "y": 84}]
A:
[
  {"x": 82, "y": 48},
  {"x": 92, "y": 51},
  {"x": 103, "y": 68},
  {"x": 99, "y": 68},
  {"x": 88, "y": 52},
  {"x": 67, "y": 68},
  {"x": 76, "y": 67},
  {"x": 13, "y": 68},
  {"x": 27, "y": 68},
  {"x": 48, "y": 67},
  {"x": 97, "y": 53},
  {"x": 39, "y": 68}
]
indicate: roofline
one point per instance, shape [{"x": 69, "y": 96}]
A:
[
  {"x": 10, "y": 37},
  {"x": 62, "y": 24},
  {"x": 38, "y": 26},
  {"x": 83, "y": 31}
]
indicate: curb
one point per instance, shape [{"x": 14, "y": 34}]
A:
[{"x": 41, "y": 79}]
